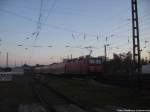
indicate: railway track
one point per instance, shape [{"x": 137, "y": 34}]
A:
[{"x": 54, "y": 101}]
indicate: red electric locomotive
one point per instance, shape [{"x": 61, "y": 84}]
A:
[
  {"x": 84, "y": 65},
  {"x": 81, "y": 66}
]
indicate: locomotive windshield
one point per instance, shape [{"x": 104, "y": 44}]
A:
[
  {"x": 98, "y": 61},
  {"x": 91, "y": 61},
  {"x": 95, "y": 61}
]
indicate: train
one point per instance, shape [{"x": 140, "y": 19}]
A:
[{"x": 85, "y": 65}]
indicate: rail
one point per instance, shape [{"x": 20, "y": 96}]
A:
[{"x": 40, "y": 88}]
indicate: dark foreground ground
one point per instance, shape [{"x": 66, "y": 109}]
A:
[
  {"x": 95, "y": 94},
  {"x": 17, "y": 95}
]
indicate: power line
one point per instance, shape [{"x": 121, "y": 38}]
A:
[
  {"x": 49, "y": 25},
  {"x": 61, "y": 11},
  {"x": 54, "y": 26},
  {"x": 66, "y": 29},
  {"x": 50, "y": 10},
  {"x": 39, "y": 23},
  {"x": 61, "y": 28}
]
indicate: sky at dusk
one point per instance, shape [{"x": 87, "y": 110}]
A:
[{"x": 68, "y": 27}]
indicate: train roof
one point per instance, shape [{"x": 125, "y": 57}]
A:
[{"x": 83, "y": 57}]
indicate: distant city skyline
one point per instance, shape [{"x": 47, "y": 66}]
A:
[{"x": 46, "y": 31}]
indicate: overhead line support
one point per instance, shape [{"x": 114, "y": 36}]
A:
[{"x": 136, "y": 41}]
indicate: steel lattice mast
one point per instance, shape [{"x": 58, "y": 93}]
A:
[{"x": 136, "y": 41}]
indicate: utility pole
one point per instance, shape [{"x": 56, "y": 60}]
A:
[
  {"x": 7, "y": 59},
  {"x": 15, "y": 63},
  {"x": 136, "y": 79},
  {"x": 149, "y": 56},
  {"x": 105, "y": 50},
  {"x": 71, "y": 56},
  {"x": 0, "y": 57},
  {"x": 136, "y": 42}
]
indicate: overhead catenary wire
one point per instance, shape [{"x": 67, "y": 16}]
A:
[
  {"x": 66, "y": 29},
  {"x": 48, "y": 25},
  {"x": 50, "y": 10},
  {"x": 39, "y": 22},
  {"x": 58, "y": 27},
  {"x": 53, "y": 26},
  {"x": 78, "y": 32},
  {"x": 60, "y": 11}
]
